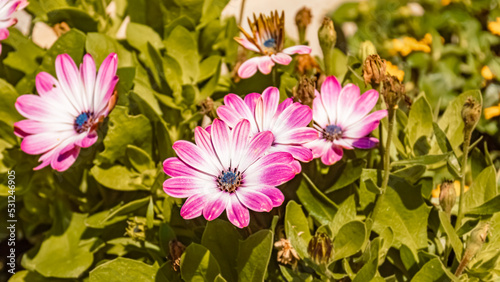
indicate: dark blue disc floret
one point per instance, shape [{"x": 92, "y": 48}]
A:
[
  {"x": 83, "y": 122},
  {"x": 270, "y": 43},
  {"x": 332, "y": 132},
  {"x": 229, "y": 180}
]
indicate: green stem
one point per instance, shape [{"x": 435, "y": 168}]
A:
[
  {"x": 387, "y": 152},
  {"x": 357, "y": 75},
  {"x": 242, "y": 8},
  {"x": 274, "y": 76},
  {"x": 327, "y": 56},
  {"x": 467, "y": 136}
]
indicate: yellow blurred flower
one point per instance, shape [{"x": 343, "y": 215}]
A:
[
  {"x": 486, "y": 73},
  {"x": 406, "y": 45},
  {"x": 445, "y": 2},
  {"x": 437, "y": 190},
  {"x": 494, "y": 27},
  {"x": 492, "y": 112},
  {"x": 394, "y": 70}
]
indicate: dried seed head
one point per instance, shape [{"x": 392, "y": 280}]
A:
[
  {"x": 374, "y": 70},
  {"x": 176, "y": 249},
  {"x": 303, "y": 19},
  {"x": 320, "y": 248},
  {"x": 471, "y": 112},
  {"x": 393, "y": 90},
  {"x": 286, "y": 253},
  {"x": 305, "y": 91}
]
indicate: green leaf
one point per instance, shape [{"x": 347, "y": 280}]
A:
[
  {"x": 222, "y": 239},
  {"x": 138, "y": 36},
  {"x": 297, "y": 228},
  {"x": 63, "y": 247},
  {"x": 8, "y": 112},
  {"x": 419, "y": 120},
  {"x": 254, "y": 255},
  {"x": 423, "y": 160},
  {"x": 411, "y": 173},
  {"x": 319, "y": 206},
  {"x": 349, "y": 239},
  {"x": 348, "y": 172},
  {"x": 182, "y": 46},
  {"x": 452, "y": 235},
  {"x": 100, "y": 46},
  {"x": 490, "y": 207},
  {"x": 118, "y": 177},
  {"x": 345, "y": 214},
  {"x": 212, "y": 10},
  {"x": 123, "y": 269},
  {"x": 102, "y": 219},
  {"x": 483, "y": 188},
  {"x": 124, "y": 130},
  {"x": 27, "y": 55},
  {"x": 74, "y": 17},
  {"x": 139, "y": 159},
  {"x": 208, "y": 67},
  {"x": 198, "y": 264},
  {"x": 433, "y": 270}
]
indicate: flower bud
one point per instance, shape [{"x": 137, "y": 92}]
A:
[
  {"x": 327, "y": 35},
  {"x": 366, "y": 49},
  {"x": 286, "y": 253},
  {"x": 473, "y": 246},
  {"x": 374, "y": 70},
  {"x": 393, "y": 90},
  {"x": 305, "y": 92},
  {"x": 471, "y": 112},
  {"x": 302, "y": 20},
  {"x": 320, "y": 248},
  {"x": 176, "y": 249},
  {"x": 447, "y": 196},
  {"x": 136, "y": 229}
]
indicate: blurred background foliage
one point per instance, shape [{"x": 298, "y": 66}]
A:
[{"x": 108, "y": 219}]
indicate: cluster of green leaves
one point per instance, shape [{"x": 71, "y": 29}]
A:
[{"x": 107, "y": 217}]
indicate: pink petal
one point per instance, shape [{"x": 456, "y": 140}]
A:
[
  {"x": 70, "y": 82},
  {"x": 249, "y": 67},
  {"x": 247, "y": 44},
  {"x": 330, "y": 95},
  {"x": 185, "y": 186},
  {"x": 251, "y": 100},
  {"x": 216, "y": 205},
  {"x": 319, "y": 112},
  {"x": 298, "y": 152},
  {"x": 363, "y": 142},
  {"x": 4, "y": 33},
  {"x": 294, "y": 116},
  {"x": 67, "y": 156},
  {"x": 222, "y": 144},
  {"x": 240, "y": 110},
  {"x": 43, "y": 142},
  {"x": 87, "y": 74},
  {"x": 365, "y": 126},
  {"x": 237, "y": 213},
  {"x": 203, "y": 140},
  {"x": 274, "y": 158},
  {"x": 105, "y": 82},
  {"x": 332, "y": 155},
  {"x": 193, "y": 206},
  {"x": 299, "y": 135},
  {"x": 228, "y": 115},
  {"x": 240, "y": 139},
  {"x": 274, "y": 175},
  {"x": 254, "y": 200},
  {"x": 363, "y": 106},
  {"x": 266, "y": 108},
  {"x": 318, "y": 147},
  {"x": 86, "y": 140},
  {"x": 174, "y": 167},
  {"x": 348, "y": 97},
  {"x": 259, "y": 144},
  {"x": 28, "y": 126},
  {"x": 283, "y": 105},
  {"x": 298, "y": 49},
  {"x": 273, "y": 193},
  {"x": 297, "y": 168},
  {"x": 281, "y": 58},
  {"x": 36, "y": 108},
  {"x": 194, "y": 157},
  {"x": 265, "y": 64}
]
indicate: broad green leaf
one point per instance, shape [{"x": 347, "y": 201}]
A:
[
  {"x": 124, "y": 269},
  {"x": 369, "y": 269},
  {"x": 118, "y": 177},
  {"x": 419, "y": 120},
  {"x": 483, "y": 189},
  {"x": 212, "y": 10},
  {"x": 208, "y": 67},
  {"x": 433, "y": 270},
  {"x": 198, "y": 264},
  {"x": 8, "y": 112},
  {"x": 451, "y": 234},
  {"x": 254, "y": 254},
  {"x": 24, "y": 276},
  {"x": 222, "y": 239},
  {"x": 102, "y": 219},
  {"x": 423, "y": 160},
  {"x": 26, "y": 55},
  {"x": 297, "y": 228},
  {"x": 349, "y": 172},
  {"x": 345, "y": 214},
  {"x": 182, "y": 46},
  {"x": 490, "y": 207},
  {"x": 403, "y": 209},
  {"x": 63, "y": 247},
  {"x": 411, "y": 173},
  {"x": 316, "y": 203},
  {"x": 100, "y": 46},
  {"x": 74, "y": 17},
  {"x": 138, "y": 36},
  {"x": 139, "y": 159},
  {"x": 349, "y": 239}
]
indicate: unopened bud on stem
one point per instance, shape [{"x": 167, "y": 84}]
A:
[
  {"x": 393, "y": 90},
  {"x": 447, "y": 196},
  {"x": 302, "y": 20},
  {"x": 366, "y": 49},
  {"x": 327, "y": 39},
  {"x": 320, "y": 248},
  {"x": 474, "y": 243},
  {"x": 471, "y": 112}
]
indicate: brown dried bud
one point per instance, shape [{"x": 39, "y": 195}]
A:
[
  {"x": 374, "y": 70},
  {"x": 306, "y": 65},
  {"x": 176, "y": 249},
  {"x": 286, "y": 253},
  {"x": 206, "y": 106},
  {"x": 136, "y": 229},
  {"x": 302, "y": 20},
  {"x": 320, "y": 248},
  {"x": 393, "y": 90},
  {"x": 305, "y": 91},
  {"x": 471, "y": 112},
  {"x": 61, "y": 28},
  {"x": 447, "y": 196}
]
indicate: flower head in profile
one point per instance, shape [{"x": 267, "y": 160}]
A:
[
  {"x": 65, "y": 115},
  {"x": 342, "y": 118},
  {"x": 227, "y": 170},
  {"x": 7, "y": 8},
  {"x": 287, "y": 121},
  {"x": 267, "y": 38}
]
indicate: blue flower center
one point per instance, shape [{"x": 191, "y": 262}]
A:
[
  {"x": 83, "y": 122},
  {"x": 332, "y": 132},
  {"x": 229, "y": 181},
  {"x": 270, "y": 43}
]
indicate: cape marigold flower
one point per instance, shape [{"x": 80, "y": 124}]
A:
[
  {"x": 65, "y": 115},
  {"x": 486, "y": 73},
  {"x": 341, "y": 116},
  {"x": 492, "y": 112},
  {"x": 494, "y": 27},
  {"x": 7, "y": 8},
  {"x": 394, "y": 70},
  {"x": 227, "y": 170},
  {"x": 287, "y": 121},
  {"x": 267, "y": 38}
]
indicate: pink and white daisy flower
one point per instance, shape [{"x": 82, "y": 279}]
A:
[
  {"x": 268, "y": 37},
  {"x": 65, "y": 115},
  {"x": 342, "y": 118},
  {"x": 227, "y": 170},
  {"x": 7, "y": 8},
  {"x": 287, "y": 121}
]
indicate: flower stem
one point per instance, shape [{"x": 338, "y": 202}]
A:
[
  {"x": 467, "y": 136},
  {"x": 274, "y": 76},
  {"x": 387, "y": 151},
  {"x": 242, "y": 8}
]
